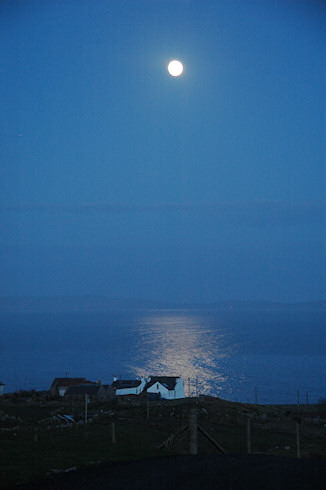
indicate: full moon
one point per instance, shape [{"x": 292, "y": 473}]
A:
[{"x": 175, "y": 68}]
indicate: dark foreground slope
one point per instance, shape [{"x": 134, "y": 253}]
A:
[{"x": 195, "y": 472}]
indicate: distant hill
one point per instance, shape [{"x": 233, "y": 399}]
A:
[
  {"x": 100, "y": 303},
  {"x": 70, "y": 304}
]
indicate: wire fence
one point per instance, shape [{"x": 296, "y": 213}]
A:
[
  {"x": 233, "y": 429},
  {"x": 257, "y": 394}
]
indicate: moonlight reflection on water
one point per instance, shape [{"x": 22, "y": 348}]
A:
[{"x": 181, "y": 345}]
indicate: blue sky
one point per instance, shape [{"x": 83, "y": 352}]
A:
[{"x": 119, "y": 180}]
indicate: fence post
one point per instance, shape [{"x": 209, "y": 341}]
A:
[
  {"x": 298, "y": 400},
  {"x": 193, "y": 440},
  {"x": 256, "y": 396},
  {"x": 86, "y": 402},
  {"x": 147, "y": 406},
  {"x": 298, "y": 438},
  {"x": 248, "y": 436},
  {"x": 307, "y": 403},
  {"x": 113, "y": 432}
]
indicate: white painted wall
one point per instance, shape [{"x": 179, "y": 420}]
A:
[
  {"x": 177, "y": 393},
  {"x": 62, "y": 390},
  {"x": 179, "y": 388},
  {"x": 131, "y": 391}
]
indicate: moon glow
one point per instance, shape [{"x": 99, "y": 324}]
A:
[{"x": 175, "y": 68}]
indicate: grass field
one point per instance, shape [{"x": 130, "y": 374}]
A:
[{"x": 35, "y": 441}]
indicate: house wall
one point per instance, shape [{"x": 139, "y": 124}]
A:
[
  {"x": 158, "y": 388},
  {"x": 178, "y": 392},
  {"x": 105, "y": 393},
  {"x": 62, "y": 390},
  {"x": 179, "y": 389},
  {"x": 131, "y": 391}
]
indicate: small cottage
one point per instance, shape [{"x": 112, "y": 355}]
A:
[
  {"x": 60, "y": 385},
  {"x": 167, "y": 387},
  {"x": 92, "y": 391}
]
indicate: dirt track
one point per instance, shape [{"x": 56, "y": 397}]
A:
[{"x": 256, "y": 472}]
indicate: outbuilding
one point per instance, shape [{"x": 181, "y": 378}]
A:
[
  {"x": 60, "y": 385},
  {"x": 92, "y": 391}
]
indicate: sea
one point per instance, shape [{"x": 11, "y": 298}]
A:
[{"x": 262, "y": 356}]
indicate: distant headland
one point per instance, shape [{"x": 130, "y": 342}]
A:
[{"x": 80, "y": 304}]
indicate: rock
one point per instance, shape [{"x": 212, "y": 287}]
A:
[{"x": 3, "y": 416}]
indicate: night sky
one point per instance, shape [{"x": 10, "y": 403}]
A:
[{"x": 120, "y": 180}]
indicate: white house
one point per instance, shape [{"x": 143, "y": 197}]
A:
[
  {"x": 128, "y": 387},
  {"x": 168, "y": 387}
]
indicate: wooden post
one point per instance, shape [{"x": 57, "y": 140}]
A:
[
  {"x": 298, "y": 438},
  {"x": 113, "y": 432},
  {"x": 256, "y": 396},
  {"x": 248, "y": 436},
  {"x": 147, "y": 406},
  {"x": 86, "y": 402},
  {"x": 193, "y": 441},
  {"x": 196, "y": 387},
  {"x": 189, "y": 387},
  {"x": 307, "y": 403},
  {"x": 298, "y": 400}
]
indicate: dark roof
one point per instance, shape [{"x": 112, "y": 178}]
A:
[
  {"x": 126, "y": 383},
  {"x": 70, "y": 381},
  {"x": 1, "y": 383},
  {"x": 168, "y": 382},
  {"x": 85, "y": 389}
]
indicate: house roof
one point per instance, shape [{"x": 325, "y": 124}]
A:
[
  {"x": 1, "y": 383},
  {"x": 126, "y": 383},
  {"x": 83, "y": 389},
  {"x": 70, "y": 381},
  {"x": 168, "y": 382}
]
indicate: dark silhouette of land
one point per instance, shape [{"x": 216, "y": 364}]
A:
[
  {"x": 237, "y": 472},
  {"x": 26, "y": 304},
  {"x": 41, "y": 449}
]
